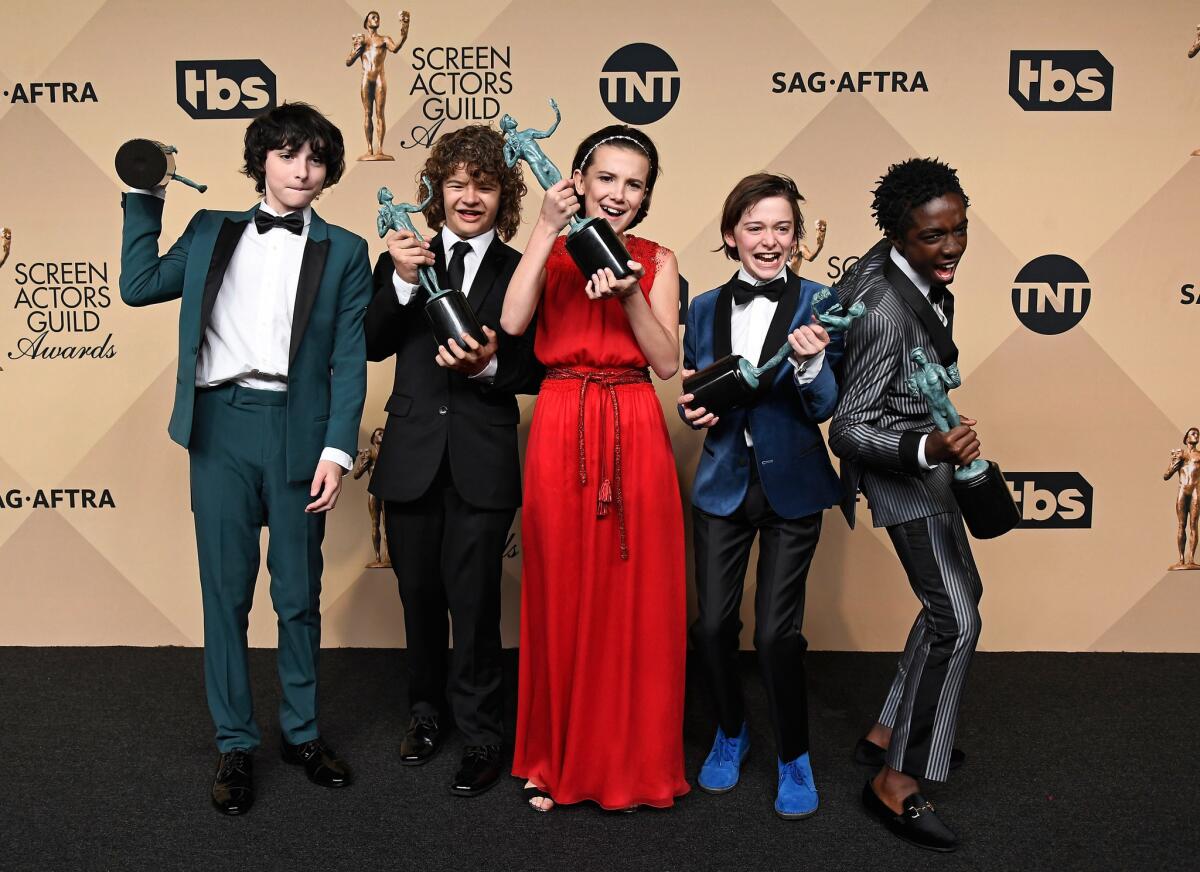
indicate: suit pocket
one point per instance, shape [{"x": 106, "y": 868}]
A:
[
  {"x": 398, "y": 404},
  {"x": 321, "y": 419}
]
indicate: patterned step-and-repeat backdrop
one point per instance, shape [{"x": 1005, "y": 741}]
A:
[{"x": 1071, "y": 122}]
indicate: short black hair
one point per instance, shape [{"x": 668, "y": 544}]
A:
[
  {"x": 290, "y": 126},
  {"x": 630, "y": 138},
  {"x": 909, "y": 185}
]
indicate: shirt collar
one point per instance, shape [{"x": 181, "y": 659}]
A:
[
  {"x": 920, "y": 281},
  {"x": 306, "y": 212},
  {"x": 479, "y": 244},
  {"x": 751, "y": 280}
]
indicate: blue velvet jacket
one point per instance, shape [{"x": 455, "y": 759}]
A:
[{"x": 794, "y": 466}]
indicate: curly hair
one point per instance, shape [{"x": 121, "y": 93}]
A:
[
  {"x": 290, "y": 126},
  {"x": 619, "y": 136},
  {"x": 480, "y": 149},
  {"x": 908, "y": 185}
]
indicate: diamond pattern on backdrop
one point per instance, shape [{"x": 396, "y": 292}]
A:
[{"x": 1114, "y": 191}]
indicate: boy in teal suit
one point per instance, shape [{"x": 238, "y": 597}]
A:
[{"x": 268, "y": 395}]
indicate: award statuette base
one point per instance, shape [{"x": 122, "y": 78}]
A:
[
  {"x": 721, "y": 386},
  {"x": 451, "y": 316},
  {"x": 146, "y": 164},
  {"x": 594, "y": 245},
  {"x": 986, "y": 503}
]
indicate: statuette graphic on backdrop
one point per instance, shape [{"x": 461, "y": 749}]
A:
[
  {"x": 804, "y": 253},
  {"x": 1185, "y": 462},
  {"x": 371, "y": 49},
  {"x": 364, "y": 464},
  {"x": 1192, "y": 52}
]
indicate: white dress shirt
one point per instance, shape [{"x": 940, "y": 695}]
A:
[
  {"x": 748, "y": 326},
  {"x": 922, "y": 286},
  {"x": 249, "y": 334},
  {"x": 479, "y": 246}
]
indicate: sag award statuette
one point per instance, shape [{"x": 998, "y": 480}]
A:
[
  {"x": 591, "y": 242},
  {"x": 733, "y": 381},
  {"x": 979, "y": 489},
  {"x": 447, "y": 309},
  {"x": 147, "y": 164}
]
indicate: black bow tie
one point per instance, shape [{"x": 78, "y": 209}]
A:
[
  {"x": 744, "y": 292},
  {"x": 293, "y": 221},
  {"x": 938, "y": 293}
]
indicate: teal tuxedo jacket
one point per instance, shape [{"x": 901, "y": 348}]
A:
[{"x": 327, "y": 370}]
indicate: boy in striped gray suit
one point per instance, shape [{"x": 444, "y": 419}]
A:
[{"x": 891, "y": 450}]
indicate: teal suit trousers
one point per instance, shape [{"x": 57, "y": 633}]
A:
[{"x": 239, "y": 484}]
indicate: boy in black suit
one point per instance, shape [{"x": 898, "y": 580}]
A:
[{"x": 449, "y": 471}]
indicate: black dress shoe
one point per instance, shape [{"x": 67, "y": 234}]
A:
[
  {"x": 233, "y": 788},
  {"x": 479, "y": 771},
  {"x": 321, "y": 763},
  {"x": 868, "y": 753},
  {"x": 421, "y": 740},
  {"x": 918, "y": 824}
]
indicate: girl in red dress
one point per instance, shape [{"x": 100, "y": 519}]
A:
[{"x": 603, "y": 601}]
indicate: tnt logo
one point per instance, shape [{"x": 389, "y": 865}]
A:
[
  {"x": 1060, "y": 81},
  {"x": 639, "y": 83},
  {"x": 1051, "y": 294},
  {"x": 1052, "y": 500},
  {"x": 224, "y": 89}
]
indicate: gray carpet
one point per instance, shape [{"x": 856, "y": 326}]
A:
[{"x": 1074, "y": 761}]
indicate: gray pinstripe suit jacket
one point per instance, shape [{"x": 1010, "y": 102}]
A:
[{"x": 877, "y": 428}]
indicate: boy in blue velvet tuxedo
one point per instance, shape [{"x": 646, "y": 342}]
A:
[
  {"x": 269, "y": 391},
  {"x": 764, "y": 471}
]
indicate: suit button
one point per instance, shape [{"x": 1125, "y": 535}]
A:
[
  {"x": 195, "y": 348},
  {"x": 442, "y": 410},
  {"x": 741, "y": 461}
]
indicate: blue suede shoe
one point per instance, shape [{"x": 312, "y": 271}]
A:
[
  {"x": 797, "y": 797},
  {"x": 723, "y": 765}
]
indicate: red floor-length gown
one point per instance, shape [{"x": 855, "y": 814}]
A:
[{"x": 603, "y": 636}]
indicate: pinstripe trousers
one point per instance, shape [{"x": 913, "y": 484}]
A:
[{"x": 922, "y": 704}]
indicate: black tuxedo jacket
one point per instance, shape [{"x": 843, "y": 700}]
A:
[{"x": 432, "y": 409}]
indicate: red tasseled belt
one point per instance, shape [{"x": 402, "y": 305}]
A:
[{"x": 607, "y": 379}]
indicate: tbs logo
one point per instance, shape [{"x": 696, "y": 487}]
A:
[
  {"x": 1060, "y": 81},
  {"x": 224, "y": 89},
  {"x": 1052, "y": 500},
  {"x": 639, "y": 83},
  {"x": 1051, "y": 294}
]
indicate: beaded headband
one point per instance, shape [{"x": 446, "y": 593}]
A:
[{"x": 609, "y": 139}]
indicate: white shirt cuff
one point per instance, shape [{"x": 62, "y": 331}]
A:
[
  {"x": 488, "y": 373},
  {"x": 404, "y": 291},
  {"x": 161, "y": 193},
  {"x": 807, "y": 370},
  {"x": 921, "y": 454},
  {"x": 341, "y": 458}
]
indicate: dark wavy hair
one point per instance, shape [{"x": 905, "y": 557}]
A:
[
  {"x": 749, "y": 191},
  {"x": 480, "y": 149},
  {"x": 909, "y": 185},
  {"x": 290, "y": 126},
  {"x": 585, "y": 154}
]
